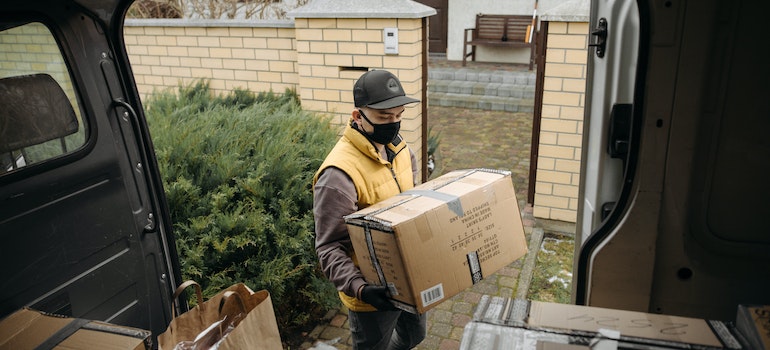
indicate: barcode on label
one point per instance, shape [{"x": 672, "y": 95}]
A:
[{"x": 432, "y": 295}]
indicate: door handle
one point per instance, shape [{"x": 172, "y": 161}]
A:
[{"x": 619, "y": 131}]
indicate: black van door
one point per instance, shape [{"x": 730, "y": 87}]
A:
[{"x": 84, "y": 229}]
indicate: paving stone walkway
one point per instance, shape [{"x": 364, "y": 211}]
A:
[{"x": 470, "y": 138}]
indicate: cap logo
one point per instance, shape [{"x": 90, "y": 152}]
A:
[{"x": 393, "y": 85}]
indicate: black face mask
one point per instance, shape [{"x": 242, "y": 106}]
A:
[{"x": 383, "y": 133}]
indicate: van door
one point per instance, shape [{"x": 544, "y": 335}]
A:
[
  {"x": 83, "y": 220},
  {"x": 674, "y": 195},
  {"x": 612, "y": 70}
]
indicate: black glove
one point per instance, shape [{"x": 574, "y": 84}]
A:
[{"x": 377, "y": 296}]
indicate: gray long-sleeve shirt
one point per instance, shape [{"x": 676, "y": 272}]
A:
[{"x": 335, "y": 197}]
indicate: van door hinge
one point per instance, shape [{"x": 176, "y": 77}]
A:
[{"x": 601, "y": 37}]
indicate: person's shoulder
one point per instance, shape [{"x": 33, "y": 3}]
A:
[
  {"x": 335, "y": 179},
  {"x": 333, "y": 175}
]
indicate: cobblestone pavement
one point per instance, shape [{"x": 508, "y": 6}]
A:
[{"x": 470, "y": 138}]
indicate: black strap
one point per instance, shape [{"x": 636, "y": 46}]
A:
[{"x": 62, "y": 334}]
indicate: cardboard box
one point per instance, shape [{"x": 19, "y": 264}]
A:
[
  {"x": 505, "y": 323},
  {"x": 429, "y": 243},
  {"x": 28, "y": 329},
  {"x": 631, "y": 324},
  {"x": 753, "y": 322}
]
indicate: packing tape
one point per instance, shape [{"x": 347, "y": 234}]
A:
[
  {"x": 373, "y": 256},
  {"x": 452, "y": 201},
  {"x": 606, "y": 339}
]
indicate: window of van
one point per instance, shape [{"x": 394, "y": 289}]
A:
[{"x": 40, "y": 118}]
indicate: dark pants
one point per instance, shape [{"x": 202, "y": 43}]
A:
[{"x": 386, "y": 330}]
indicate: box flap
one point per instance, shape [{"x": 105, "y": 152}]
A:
[
  {"x": 27, "y": 328},
  {"x": 444, "y": 190},
  {"x": 91, "y": 339}
]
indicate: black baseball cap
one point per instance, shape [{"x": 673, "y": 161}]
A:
[{"x": 380, "y": 89}]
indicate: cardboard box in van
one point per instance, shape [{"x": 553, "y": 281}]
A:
[
  {"x": 32, "y": 329},
  {"x": 429, "y": 243},
  {"x": 505, "y": 323}
]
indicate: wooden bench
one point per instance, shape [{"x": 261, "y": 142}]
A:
[{"x": 499, "y": 31}]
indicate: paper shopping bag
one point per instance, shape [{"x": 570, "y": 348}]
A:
[{"x": 235, "y": 318}]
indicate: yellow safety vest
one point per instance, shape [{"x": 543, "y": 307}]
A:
[{"x": 375, "y": 179}]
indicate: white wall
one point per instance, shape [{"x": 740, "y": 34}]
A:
[{"x": 462, "y": 14}]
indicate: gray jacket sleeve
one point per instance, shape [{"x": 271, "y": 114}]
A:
[{"x": 334, "y": 197}]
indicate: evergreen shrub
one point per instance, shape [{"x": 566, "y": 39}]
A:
[{"x": 237, "y": 171}]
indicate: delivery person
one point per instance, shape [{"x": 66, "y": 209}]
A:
[{"x": 369, "y": 163}]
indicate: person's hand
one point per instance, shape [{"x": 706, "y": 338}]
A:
[{"x": 377, "y": 296}]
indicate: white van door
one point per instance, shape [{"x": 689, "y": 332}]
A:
[
  {"x": 674, "y": 193},
  {"x": 612, "y": 62}
]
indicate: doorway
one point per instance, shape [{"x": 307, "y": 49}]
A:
[{"x": 437, "y": 26}]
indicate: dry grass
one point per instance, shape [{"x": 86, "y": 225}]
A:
[{"x": 552, "y": 278}]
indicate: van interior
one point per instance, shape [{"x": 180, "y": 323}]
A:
[{"x": 673, "y": 184}]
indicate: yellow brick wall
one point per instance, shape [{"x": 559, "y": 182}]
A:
[
  {"x": 320, "y": 58},
  {"x": 558, "y": 164},
  {"x": 253, "y": 58},
  {"x": 31, "y": 49},
  {"x": 333, "y": 53}
]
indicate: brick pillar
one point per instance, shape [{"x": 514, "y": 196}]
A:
[
  {"x": 561, "y": 131},
  {"x": 338, "y": 41}
]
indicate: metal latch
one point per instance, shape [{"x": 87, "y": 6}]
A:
[{"x": 601, "y": 37}]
